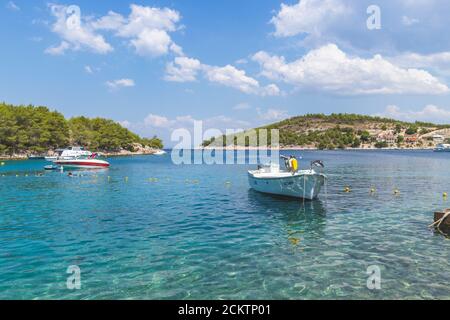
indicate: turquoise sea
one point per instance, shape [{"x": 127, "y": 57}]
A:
[{"x": 148, "y": 229}]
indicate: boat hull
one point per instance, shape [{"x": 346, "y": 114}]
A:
[
  {"x": 306, "y": 186},
  {"x": 85, "y": 164}
]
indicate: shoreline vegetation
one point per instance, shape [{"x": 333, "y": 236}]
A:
[
  {"x": 339, "y": 131},
  {"x": 31, "y": 130}
]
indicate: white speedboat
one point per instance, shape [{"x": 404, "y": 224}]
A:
[
  {"x": 304, "y": 184},
  {"x": 83, "y": 163},
  {"x": 69, "y": 153},
  {"x": 86, "y": 160},
  {"x": 160, "y": 153},
  {"x": 442, "y": 147}
]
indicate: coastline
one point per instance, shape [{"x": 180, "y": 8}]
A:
[
  {"x": 122, "y": 153},
  {"x": 300, "y": 148}
]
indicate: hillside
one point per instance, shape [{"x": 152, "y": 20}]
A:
[
  {"x": 352, "y": 131},
  {"x": 36, "y": 130}
]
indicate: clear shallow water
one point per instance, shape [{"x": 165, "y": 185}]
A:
[{"x": 198, "y": 232}]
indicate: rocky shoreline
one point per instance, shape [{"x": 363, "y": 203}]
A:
[
  {"x": 122, "y": 153},
  {"x": 125, "y": 153},
  {"x": 300, "y": 148}
]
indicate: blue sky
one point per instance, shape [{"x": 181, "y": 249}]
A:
[{"x": 158, "y": 65}]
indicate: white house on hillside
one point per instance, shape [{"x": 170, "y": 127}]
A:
[{"x": 437, "y": 138}]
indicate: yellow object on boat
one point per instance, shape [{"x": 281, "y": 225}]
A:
[{"x": 293, "y": 163}]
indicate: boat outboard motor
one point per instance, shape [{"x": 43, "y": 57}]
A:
[
  {"x": 286, "y": 161},
  {"x": 317, "y": 163}
]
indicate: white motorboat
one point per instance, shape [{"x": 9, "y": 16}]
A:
[
  {"x": 69, "y": 153},
  {"x": 160, "y": 153},
  {"x": 84, "y": 163},
  {"x": 442, "y": 147},
  {"x": 304, "y": 184},
  {"x": 80, "y": 158}
]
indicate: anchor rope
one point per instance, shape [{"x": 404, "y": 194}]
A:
[{"x": 304, "y": 189}]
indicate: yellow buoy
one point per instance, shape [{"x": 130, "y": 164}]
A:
[
  {"x": 396, "y": 192},
  {"x": 445, "y": 195},
  {"x": 347, "y": 189},
  {"x": 373, "y": 190}
]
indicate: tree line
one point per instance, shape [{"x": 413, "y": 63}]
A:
[{"x": 34, "y": 130}]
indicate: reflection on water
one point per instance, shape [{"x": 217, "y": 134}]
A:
[
  {"x": 296, "y": 216},
  {"x": 148, "y": 229}
]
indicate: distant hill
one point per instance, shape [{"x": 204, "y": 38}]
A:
[
  {"x": 351, "y": 131},
  {"x": 35, "y": 130}
]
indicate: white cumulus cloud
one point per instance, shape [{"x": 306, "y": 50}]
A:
[
  {"x": 88, "y": 69},
  {"x": 232, "y": 77},
  {"x": 220, "y": 122},
  {"x": 438, "y": 62},
  {"x": 272, "y": 114},
  {"x": 59, "y": 49},
  {"x": 332, "y": 70},
  {"x": 120, "y": 83},
  {"x": 184, "y": 69},
  {"x": 429, "y": 113},
  {"x": 112, "y": 21},
  {"x": 125, "y": 124},
  {"x": 75, "y": 32},
  {"x": 11, "y": 5},
  {"x": 242, "y": 106},
  {"x": 147, "y": 29},
  {"x": 307, "y": 16},
  {"x": 408, "y": 21}
]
